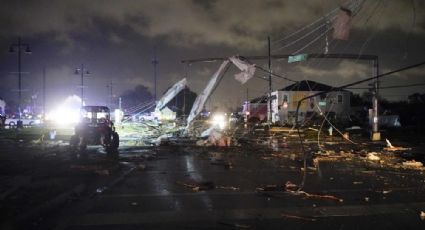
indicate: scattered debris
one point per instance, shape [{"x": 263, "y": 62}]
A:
[
  {"x": 412, "y": 164},
  {"x": 291, "y": 216},
  {"x": 422, "y": 215},
  {"x": 234, "y": 225},
  {"x": 327, "y": 158},
  {"x": 390, "y": 147},
  {"x": 270, "y": 188},
  {"x": 290, "y": 186},
  {"x": 227, "y": 188},
  {"x": 357, "y": 182},
  {"x": 372, "y": 156},
  {"x": 201, "y": 186},
  {"x": 316, "y": 196}
]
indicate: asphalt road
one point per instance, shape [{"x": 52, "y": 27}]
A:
[{"x": 190, "y": 187}]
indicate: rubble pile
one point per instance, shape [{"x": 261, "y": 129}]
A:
[{"x": 147, "y": 133}]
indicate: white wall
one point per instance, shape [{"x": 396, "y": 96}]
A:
[{"x": 284, "y": 112}]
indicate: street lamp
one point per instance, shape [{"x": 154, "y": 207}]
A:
[
  {"x": 155, "y": 62},
  {"x": 19, "y": 46},
  {"x": 82, "y": 71},
  {"x": 109, "y": 94}
]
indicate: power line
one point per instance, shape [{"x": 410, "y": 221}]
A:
[
  {"x": 391, "y": 87},
  {"x": 354, "y": 6},
  {"x": 273, "y": 74},
  {"x": 305, "y": 27},
  {"x": 314, "y": 40},
  {"x": 304, "y": 36},
  {"x": 338, "y": 89}
]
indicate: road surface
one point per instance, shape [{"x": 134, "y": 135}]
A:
[{"x": 191, "y": 187}]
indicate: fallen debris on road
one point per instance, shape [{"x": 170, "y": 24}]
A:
[
  {"x": 412, "y": 164},
  {"x": 372, "y": 156},
  {"x": 199, "y": 186},
  {"x": 316, "y": 196},
  {"x": 292, "y": 216}
]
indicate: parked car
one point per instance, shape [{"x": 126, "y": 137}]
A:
[{"x": 12, "y": 122}]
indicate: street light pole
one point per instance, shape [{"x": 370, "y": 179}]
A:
[
  {"x": 109, "y": 93},
  {"x": 19, "y": 45},
  {"x": 44, "y": 94},
  {"x": 155, "y": 62},
  {"x": 82, "y": 72}
]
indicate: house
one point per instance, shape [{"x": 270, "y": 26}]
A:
[{"x": 284, "y": 103}]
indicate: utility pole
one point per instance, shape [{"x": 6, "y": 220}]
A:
[
  {"x": 155, "y": 62},
  {"x": 44, "y": 94},
  {"x": 19, "y": 45},
  {"x": 82, "y": 71},
  {"x": 110, "y": 95},
  {"x": 374, "y": 58},
  {"x": 269, "y": 114},
  {"x": 376, "y": 135},
  {"x": 184, "y": 102},
  {"x": 246, "y": 109}
]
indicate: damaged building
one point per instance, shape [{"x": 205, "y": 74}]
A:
[{"x": 284, "y": 103}]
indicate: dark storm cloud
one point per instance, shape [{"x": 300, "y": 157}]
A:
[
  {"x": 116, "y": 38},
  {"x": 242, "y": 24}
]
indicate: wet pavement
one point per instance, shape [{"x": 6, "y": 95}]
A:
[{"x": 191, "y": 187}]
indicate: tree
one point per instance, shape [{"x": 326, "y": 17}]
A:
[{"x": 136, "y": 97}]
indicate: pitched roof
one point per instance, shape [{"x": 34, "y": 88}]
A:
[{"x": 307, "y": 85}]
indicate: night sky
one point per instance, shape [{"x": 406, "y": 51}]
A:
[{"x": 115, "y": 40}]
